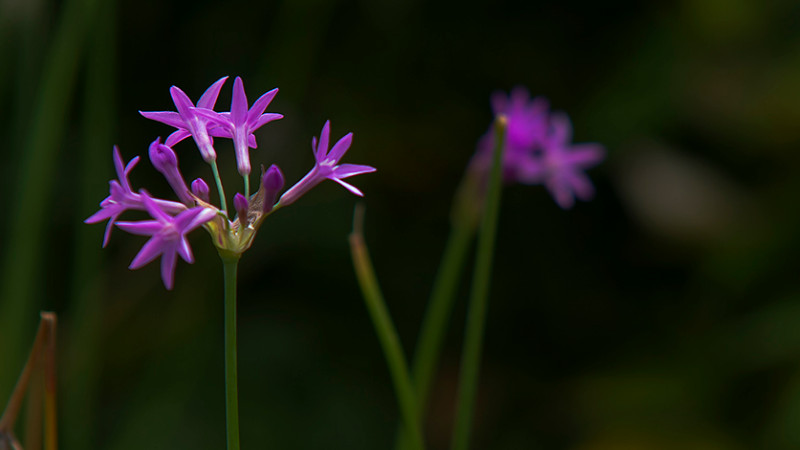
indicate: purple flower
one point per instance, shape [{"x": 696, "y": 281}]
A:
[
  {"x": 528, "y": 124},
  {"x": 562, "y": 164},
  {"x": 240, "y": 123},
  {"x": 168, "y": 236},
  {"x": 122, "y": 198},
  {"x": 327, "y": 166},
  {"x": 187, "y": 121}
]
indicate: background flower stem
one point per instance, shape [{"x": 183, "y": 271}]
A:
[
  {"x": 434, "y": 324},
  {"x": 387, "y": 334},
  {"x": 230, "y": 264},
  {"x": 476, "y": 314}
]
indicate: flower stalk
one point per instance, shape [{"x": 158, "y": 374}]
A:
[
  {"x": 387, "y": 334},
  {"x": 230, "y": 262},
  {"x": 476, "y": 314}
]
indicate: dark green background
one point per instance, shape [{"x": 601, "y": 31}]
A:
[{"x": 664, "y": 314}]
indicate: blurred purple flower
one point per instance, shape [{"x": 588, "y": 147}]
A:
[
  {"x": 187, "y": 121},
  {"x": 563, "y": 164},
  {"x": 168, "y": 236},
  {"x": 240, "y": 123},
  {"x": 122, "y": 198},
  {"x": 326, "y": 166},
  {"x": 528, "y": 123},
  {"x": 538, "y": 149}
]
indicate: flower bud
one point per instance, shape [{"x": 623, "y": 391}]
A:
[
  {"x": 272, "y": 182},
  {"x": 240, "y": 204},
  {"x": 200, "y": 189},
  {"x": 162, "y": 157},
  {"x": 166, "y": 162}
]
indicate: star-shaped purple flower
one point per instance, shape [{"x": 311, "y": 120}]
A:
[
  {"x": 563, "y": 163},
  {"x": 122, "y": 197},
  {"x": 327, "y": 166},
  {"x": 188, "y": 122},
  {"x": 168, "y": 236},
  {"x": 240, "y": 123}
]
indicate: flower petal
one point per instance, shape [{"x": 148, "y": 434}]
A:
[
  {"x": 182, "y": 102},
  {"x": 150, "y": 251},
  {"x": 349, "y": 187},
  {"x": 322, "y": 145},
  {"x": 349, "y": 170},
  {"x": 209, "y": 97},
  {"x": 142, "y": 228},
  {"x": 168, "y": 268},
  {"x": 170, "y": 118},
  {"x": 341, "y": 147},
  {"x": 238, "y": 103},
  {"x": 259, "y": 106}
]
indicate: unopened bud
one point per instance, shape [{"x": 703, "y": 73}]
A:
[
  {"x": 241, "y": 205},
  {"x": 162, "y": 157},
  {"x": 200, "y": 189},
  {"x": 272, "y": 181}
]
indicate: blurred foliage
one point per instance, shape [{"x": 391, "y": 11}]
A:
[{"x": 664, "y": 314}]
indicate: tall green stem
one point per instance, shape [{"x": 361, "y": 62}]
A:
[
  {"x": 230, "y": 263},
  {"x": 434, "y": 324},
  {"x": 387, "y": 335},
  {"x": 476, "y": 315}
]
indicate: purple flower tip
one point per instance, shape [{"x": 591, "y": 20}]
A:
[
  {"x": 241, "y": 205},
  {"x": 200, "y": 189},
  {"x": 162, "y": 157},
  {"x": 272, "y": 181}
]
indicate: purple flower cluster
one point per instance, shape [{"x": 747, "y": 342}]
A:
[
  {"x": 539, "y": 149},
  {"x": 172, "y": 220}
]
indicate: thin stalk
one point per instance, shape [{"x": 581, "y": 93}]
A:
[
  {"x": 220, "y": 190},
  {"x": 246, "y": 185},
  {"x": 387, "y": 334},
  {"x": 434, "y": 324},
  {"x": 229, "y": 264},
  {"x": 476, "y": 314}
]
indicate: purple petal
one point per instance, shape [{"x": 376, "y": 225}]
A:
[
  {"x": 209, "y": 97},
  {"x": 341, "y": 146},
  {"x": 584, "y": 155},
  {"x": 213, "y": 117},
  {"x": 142, "y": 228},
  {"x": 349, "y": 170},
  {"x": 152, "y": 208},
  {"x": 170, "y": 118},
  {"x": 322, "y": 145},
  {"x": 560, "y": 192},
  {"x": 150, "y": 251},
  {"x": 349, "y": 187},
  {"x": 168, "y": 268},
  {"x": 182, "y": 102},
  {"x": 265, "y": 119},
  {"x": 238, "y": 102},
  {"x": 177, "y": 136},
  {"x": 185, "y": 251},
  {"x": 581, "y": 185},
  {"x": 260, "y": 105},
  {"x": 251, "y": 141},
  {"x": 561, "y": 129}
]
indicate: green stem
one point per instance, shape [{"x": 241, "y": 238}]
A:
[
  {"x": 246, "y": 186},
  {"x": 387, "y": 335},
  {"x": 220, "y": 190},
  {"x": 476, "y": 314},
  {"x": 230, "y": 263}
]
